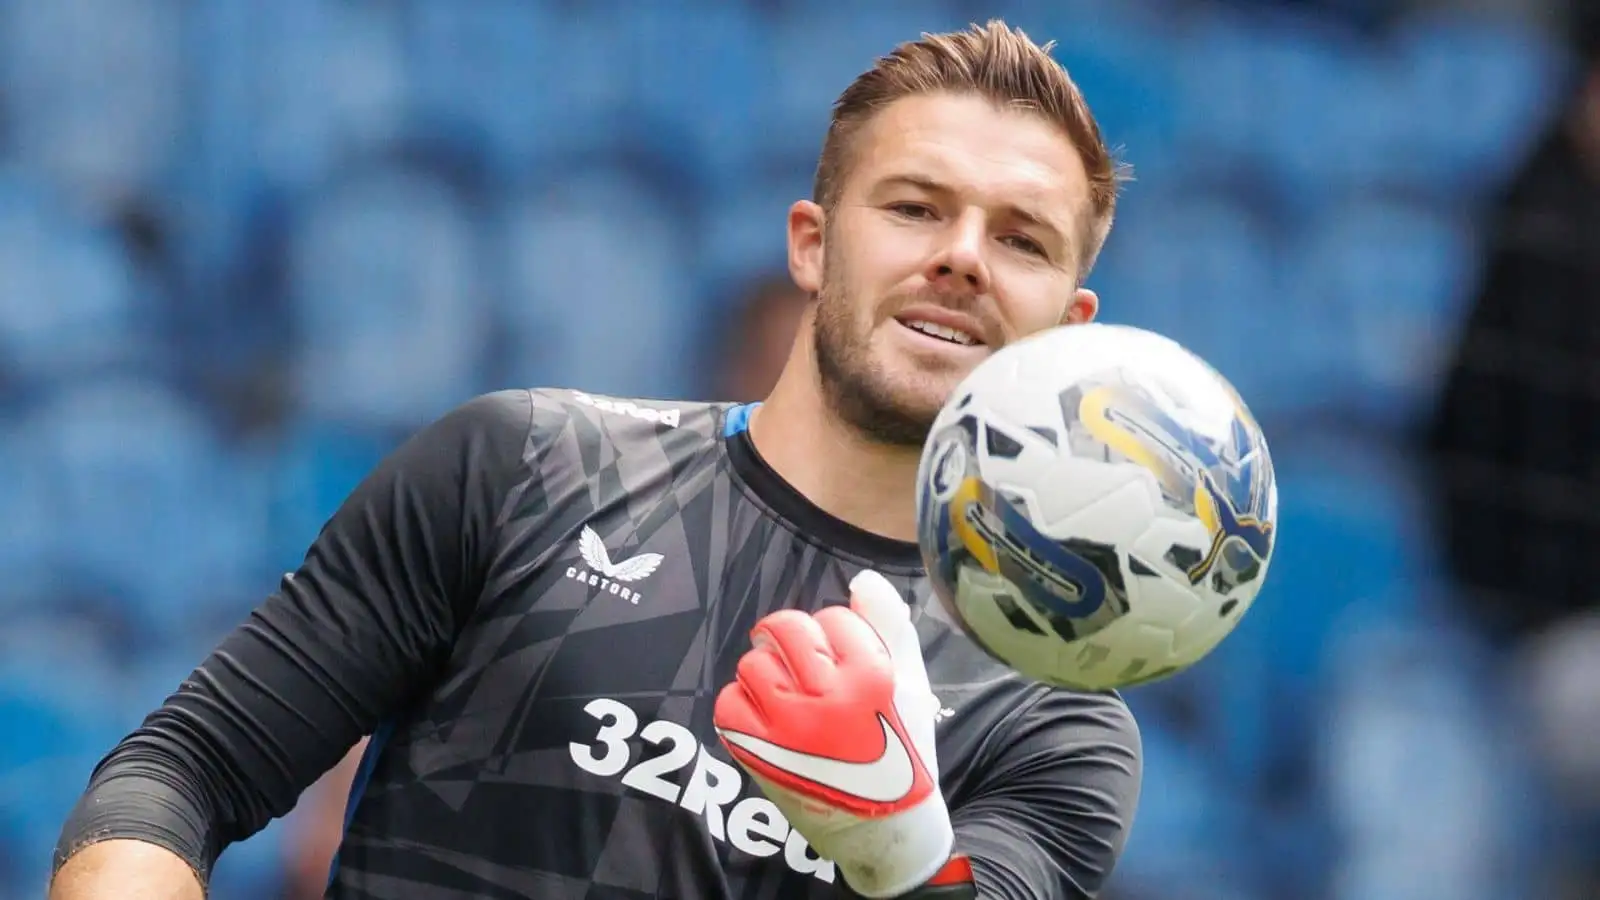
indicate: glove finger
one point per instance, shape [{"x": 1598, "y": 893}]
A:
[
  {"x": 877, "y": 601},
  {"x": 796, "y": 639},
  {"x": 737, "y": 710},
  {"x": 853, "y": 639},
  {"x": 762, "y": 672}
]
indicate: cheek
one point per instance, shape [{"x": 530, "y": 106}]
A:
[
  {"x": 1039, "y": 308},
  {"x": 883, "y": 259},
  {"x": 853, "y": 291}
]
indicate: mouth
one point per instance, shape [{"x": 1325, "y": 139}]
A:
[{"x": 947, "y": 331}]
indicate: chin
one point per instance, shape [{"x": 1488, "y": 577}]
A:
[
  {"x": 890, "y": 410},
  {"x": 922, "y": 395},
  {"x": 890, "y": 389},
  {"x": 930, "y": 383}
]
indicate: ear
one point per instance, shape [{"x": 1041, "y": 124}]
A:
[
  {"x": 807, "y": 226},
  {"x": 1083, "y": 307}
]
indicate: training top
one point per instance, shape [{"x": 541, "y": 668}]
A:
[{"x": 530, "y": 606}]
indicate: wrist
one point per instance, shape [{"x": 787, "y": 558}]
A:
[
  {"x": 953, "y": 881},
  {"x": 920, "y": 848}
]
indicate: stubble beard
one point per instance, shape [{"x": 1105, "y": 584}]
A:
[{"x": 854, "y": 387}]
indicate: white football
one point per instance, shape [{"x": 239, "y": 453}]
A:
[{"x": 1096, "y": 507}]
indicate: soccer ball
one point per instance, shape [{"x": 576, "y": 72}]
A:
[{"x": 1096, "y": 507}]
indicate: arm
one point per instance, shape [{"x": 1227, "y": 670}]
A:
[
  {"x": 1052, "y": 810},
  {"x": 348, "y": 640}
]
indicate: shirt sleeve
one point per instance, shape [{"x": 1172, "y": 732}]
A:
[
  {"x": 346, "y": 641},
  {"x": 1051, "y": 812}
]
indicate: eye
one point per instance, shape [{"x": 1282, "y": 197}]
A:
[
  {"x": 1024, "y": 243},
  {"x": 911, "y": 210}
]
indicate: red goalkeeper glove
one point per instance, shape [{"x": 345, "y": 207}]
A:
[{"x": 832, "y": 715}]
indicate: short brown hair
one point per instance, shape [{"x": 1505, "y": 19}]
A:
[{"x": 995, "y": 61}]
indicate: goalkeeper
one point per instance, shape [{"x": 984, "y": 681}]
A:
[{"x": 611, "y": 649}]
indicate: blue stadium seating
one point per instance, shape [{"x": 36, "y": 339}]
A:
[
  {"x": 1204, "y": 267},
  {"x": 1238, "y": 74},
  {"x": 374, "y": 211},
  {"x": 1194, "y": 840},
  {"x": 307, "y": 472},
  {"x": 496, "y": 67},
  {"x": 94, "y": 91},
  {"x": 1352, "y": 528},
  {"x": 1463, "y": 151},
  {"x": 575, "y": 317},
  {"x": 1120, "y": 55},
  {"x": 24, "y": 508},
  {"x": 136, "y": 501},
  {"x": 716, "y": 52},
  {"x": 1389, "y": 280},
  {"x": 54, "y": 691},
  {"x": 70, "y": 302},
  {"x": 1412, "y": 745},
  {"x": 816, "y": 50},
  {"x": 388, "y": 285},
  {"x": 739, "y": 241}
]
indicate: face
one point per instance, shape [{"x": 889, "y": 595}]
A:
[{"x": 955, "y": 234}]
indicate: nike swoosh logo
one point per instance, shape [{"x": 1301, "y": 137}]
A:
[{"x": 884, "y": 780}]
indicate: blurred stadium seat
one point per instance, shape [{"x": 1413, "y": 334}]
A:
[
  {"x": 60, "y": 709},
  {"x": 279, "y": 94},
  {"x": 1249, "y": 82},
  {"x": 1352, "y": 528},
  {"x": 1388, "y": 280},
  {"x": 489, "y": 65},
  {"x": 1195, "y": 842},
  {"x": 25, "y": 511},
  {"x": 92, "y": 92},
  {"x": 307, "y": 472},
  {"x": 1423, "y": 790},
  {"x": 287, "y": 88},
  {"x": 576, "y": 318},
  {"x": 719, "y": 53},
  {"x": 817, "y": 49},
  {"x": 133, "y": 486},
  {"x": 738, "y": 241},
  {"x": 1120, "y": 56},
  {"x": 1463, "y": 151},
  {"x": 1201, "y": 264},
  {"x": 387, "y": 284},
  {"x": 71, "y": 304}
]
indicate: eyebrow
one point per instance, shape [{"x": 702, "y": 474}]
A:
[{"x": 924, "y": 183}]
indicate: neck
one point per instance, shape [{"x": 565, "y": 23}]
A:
[{"x": 869, "y": 485}]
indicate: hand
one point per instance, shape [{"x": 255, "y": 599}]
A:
[{"x": 832, "y": 715}]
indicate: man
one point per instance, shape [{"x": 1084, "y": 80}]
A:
[{"x": 600, "y": 645}]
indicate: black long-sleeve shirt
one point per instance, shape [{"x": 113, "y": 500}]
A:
[{"x": 530, "y": 607}]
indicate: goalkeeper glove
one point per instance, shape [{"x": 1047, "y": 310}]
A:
[{"x": 832, "y": 715}]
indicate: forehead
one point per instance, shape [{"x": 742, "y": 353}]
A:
[{"x": 968, "y": 143}]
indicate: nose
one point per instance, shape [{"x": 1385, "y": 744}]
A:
[{"x": 959, "y": 264}]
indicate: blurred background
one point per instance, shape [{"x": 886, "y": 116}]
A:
[{"x": 247, "y": 245}]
